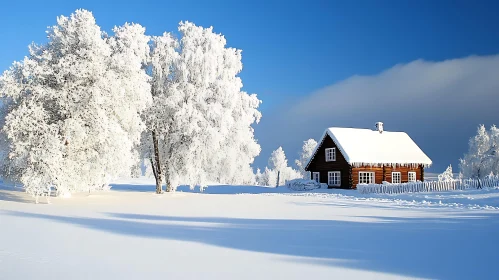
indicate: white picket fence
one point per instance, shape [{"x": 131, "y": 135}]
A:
[{"x": 429, "y": 186}]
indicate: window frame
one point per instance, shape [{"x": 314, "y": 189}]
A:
[
  {"x": 373, "y": 177},
  {"x": 338, "y": 178},
  {"x": 409, "y": 176},
  {"x": 318, "y": 176},
  {"x": 399, "y": 177},
  {"x": 333, "y": 154}
]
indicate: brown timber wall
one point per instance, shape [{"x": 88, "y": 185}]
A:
[
  {"x": 385, "y": 173},
  {"x": 378, "y": 174},
  {"x": 404, "y": 172}
]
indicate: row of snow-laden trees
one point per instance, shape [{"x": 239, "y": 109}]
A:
[
  {"x": 88, "y": 106},
  {"x": 278, "y": 172},
  {"x": 482, "y": 158}
]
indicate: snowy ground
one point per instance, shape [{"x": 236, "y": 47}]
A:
[{"x": 248, "y": 232}]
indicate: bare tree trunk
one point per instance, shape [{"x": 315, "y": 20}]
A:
[
  {"x": 156, "y": 167},
  {"x": 169, "y": 187},
  {"x": 479, "y": 182},
  {"x": 168, "y": 183}
]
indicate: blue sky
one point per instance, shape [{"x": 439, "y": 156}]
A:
[{"x": 294, "y": 49}]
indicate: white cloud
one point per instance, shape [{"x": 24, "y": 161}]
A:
[{"x": 439, "y": 104}]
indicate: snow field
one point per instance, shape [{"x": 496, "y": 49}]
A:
[{"x": 249, "y": 232}]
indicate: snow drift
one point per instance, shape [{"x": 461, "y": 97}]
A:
[{"x": 303, "y": 185}]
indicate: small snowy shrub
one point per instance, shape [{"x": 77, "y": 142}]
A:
[
  {"x": 447, "y": 175},
  {"x": 259, "y": 177}
]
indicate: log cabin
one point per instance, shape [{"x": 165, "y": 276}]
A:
[{"x": 346, "y": 157}]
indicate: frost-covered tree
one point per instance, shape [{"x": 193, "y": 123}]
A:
[
  {"x": 259, "y": 177},
  {"x": 305, "y": 154},
  {"x": 278, "y": 160},
  {"x": 200, "y": 123},
  {"x": 482, "y": 158},
  {"x": 446, "y": 175},
  {"x": 278, "y": 169},
  {"x": 160, "y": 116},
  {"x": 71, "y": 109}
]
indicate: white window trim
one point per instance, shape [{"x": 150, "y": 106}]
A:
[
  {"x": 338, "y": 184},
  {"x": 318, "y": 176},
  {"x": 409, "y": 176},
  {"x": 333, "y": 154},
  {"x": 400, "y": 177},
  {"x": 373, "y": 177}
]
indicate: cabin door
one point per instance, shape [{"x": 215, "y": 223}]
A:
[{"x": 316, "y": 177}]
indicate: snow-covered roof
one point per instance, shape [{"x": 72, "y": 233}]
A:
[{"x": 370, "y": 147}]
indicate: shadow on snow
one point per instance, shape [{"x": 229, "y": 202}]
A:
[
  {"x": 452, "y": 247},
  {"x": 15, "y": 194}
]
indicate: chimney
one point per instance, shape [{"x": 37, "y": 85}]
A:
[{"x": 379, "y": 127}]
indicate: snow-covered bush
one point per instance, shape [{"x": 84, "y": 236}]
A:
[
  {"x": 302, "y": 185},
  {"x": 446, "y": 175},
  {"x": 305, "y": 154},
  {"x": 483, "y": 154},
  {"x": 71, "y": 109},
  {"x": 278, "y": 169}
]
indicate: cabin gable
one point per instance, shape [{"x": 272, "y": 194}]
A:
[{"x": 319, "y": 164}]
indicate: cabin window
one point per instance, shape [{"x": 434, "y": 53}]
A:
[
  {"x": 331, "y": 154},
  {"x": 366, "y": 177},
  {"x": 396, "y": 177},
  {"x": 412, "y": 176},
  {"x": 334, "y": 178},
  {"x": 316, "y": 177}
]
